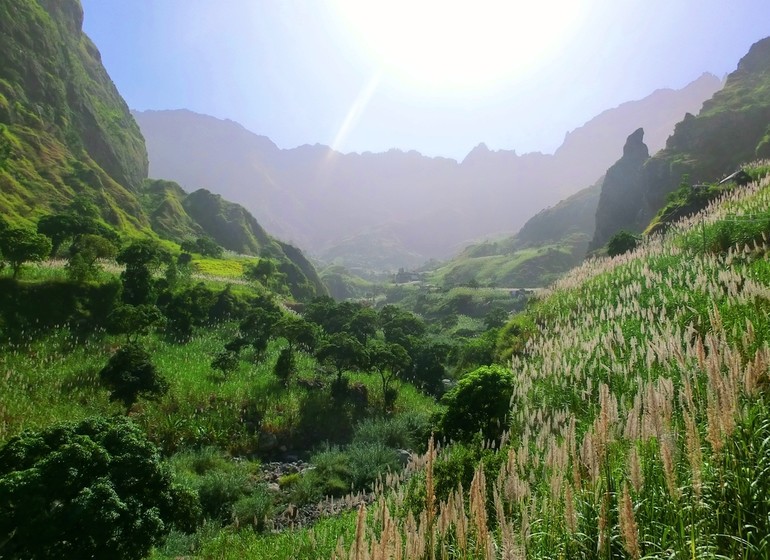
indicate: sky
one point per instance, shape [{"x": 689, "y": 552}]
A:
[{"x": 436, "y": 76}]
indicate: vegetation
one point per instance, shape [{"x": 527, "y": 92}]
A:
[{"x": 87, "y": 490}]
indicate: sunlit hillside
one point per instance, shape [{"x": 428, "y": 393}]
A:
[{"x": 639, "y": 422}]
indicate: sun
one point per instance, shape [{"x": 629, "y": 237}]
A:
[{"x": 459, "y": 45}]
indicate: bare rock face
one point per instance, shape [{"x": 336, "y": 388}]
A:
[{"x": 622, "y": 193}]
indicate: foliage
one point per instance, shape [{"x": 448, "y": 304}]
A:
[
  {"x": 204, "y": 246},
  {"x": 342, "y": 351},
  {"x": 18, "y": 246},
  {"x": 285, "y": 365},
  {"x": 95, "y": 489},
  {"x": 622, "y": 242},
  {"x": 130, "y": 374},
  {"x": 478, "y": 403},
  {"x": 85, "y": 253},
  {"x": 134, "y": 320},
  {"x": 141, "y": 258}
]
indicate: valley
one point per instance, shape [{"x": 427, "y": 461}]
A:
[{"x": 212, "y": 347}]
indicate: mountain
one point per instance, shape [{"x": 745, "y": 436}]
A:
[
  {"x": 345, "y": 208},
  {"x": 67, "y": 137},
  {"x": 625, "y": 176},
  {"x": 732, "y": 128},
  {"x": 63, "y": 126}
]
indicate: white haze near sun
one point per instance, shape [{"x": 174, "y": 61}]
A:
[
  {"x": 450, "y": 47},
  {"x": 436, "y": 76}
]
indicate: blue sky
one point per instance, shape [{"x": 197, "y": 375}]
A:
[{"x": 438, "y": 77}]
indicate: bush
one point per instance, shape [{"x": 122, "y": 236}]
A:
[
  {"x": 254, "y": 509},
  {"x": 369, "y": 461},
  {"x": 622, "y": 242},
  {"x": 478, "y": 403},
  {"x": 96, "y": 489},
  {"x": 409, "y": 430},
  {"x": 219, "y": 491}
]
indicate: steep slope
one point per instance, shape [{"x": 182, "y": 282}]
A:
[
  {"x": 730, "y": 130},
  {"x": 64, "y": 129},
  {"x": 67, "y": 138},
  {"x": 620, "y": 200},
  {"x": 348, "y": 207}
]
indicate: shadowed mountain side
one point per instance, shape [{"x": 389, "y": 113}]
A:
[
  {"x": 621, "y": 195},
  {"x": 732, "y": 128},
  {"x": 430, "y": 207}
]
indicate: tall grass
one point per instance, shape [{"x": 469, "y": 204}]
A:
[{"x": 639, "y": 422}]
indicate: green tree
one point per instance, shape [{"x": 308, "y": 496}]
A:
[
  {"x": 95, "y": 489},
  {"x": 85, "y": 253},
  {"x": 622, "y": 242},
  {"x": 343, "y": 352},
  {"x": 259, "y": 327},
  {"x": 18, "y": 246},
  {"x": 130, "y": 374},
  {"x": 298, "y": 332},
  {"x": 285, "y": 365},
  {"x": 429, "y": 366},
  {"x": 134, "y": 320},
  {"x": 141, "y": 258},
  {"x": 389, "y": 361},
  {"x": 262, "y": 271},
  {"x": 59, "y": 228},
  {"x": 363, "y": 325},
  {"x": 480, "y": 402},
  {"x": 225, "y": 361}
]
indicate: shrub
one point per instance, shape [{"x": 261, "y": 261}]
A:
[
  {"x": 254, "y": 509},
  {"x": 96, "y": 489},
  {"x": 622, "y": 242},
  {"x": 409, "y": 430},
  {"x": 219, "y": 491},
  {"x": 478, "y": 403},
  {"x": 368, "y": 461}
]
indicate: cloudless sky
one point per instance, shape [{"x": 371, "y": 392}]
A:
[{"x": 438, "y": 76}]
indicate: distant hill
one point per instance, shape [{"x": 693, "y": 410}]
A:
[
  {"x": 346, "y": 207},
  {"x": 548, "y": 245},
  {"x": 67, "y": 135}
]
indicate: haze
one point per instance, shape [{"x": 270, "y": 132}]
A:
[{"x": 438, "y": 77}]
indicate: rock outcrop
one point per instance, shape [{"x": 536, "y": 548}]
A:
[{"x": 621, "y": 193}]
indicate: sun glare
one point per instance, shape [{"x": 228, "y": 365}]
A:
[{"x": 459, "y": 45}]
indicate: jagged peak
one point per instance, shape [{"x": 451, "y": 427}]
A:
[{"x": 635, "y": 145}]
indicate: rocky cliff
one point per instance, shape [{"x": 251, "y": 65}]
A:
[
  {"x": 622, "y": 192},
  {"x": 731, "y": 129}
]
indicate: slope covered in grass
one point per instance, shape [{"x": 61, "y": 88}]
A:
[{"x": 640, "y": 414}]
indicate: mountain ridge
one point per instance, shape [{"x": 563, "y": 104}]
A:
[{"x": 298, "y": 191}]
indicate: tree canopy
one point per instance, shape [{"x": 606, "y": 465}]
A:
[
  {"x": 18, "y": 245},
  {"x": 96, "y": 489},
  {"x": 130, "y": 374}
]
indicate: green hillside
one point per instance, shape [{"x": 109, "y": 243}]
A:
[
  {"x": 68, "y": 142},
  {"x": 639, "y": 420},
  {"x": 548, "y": 245}
]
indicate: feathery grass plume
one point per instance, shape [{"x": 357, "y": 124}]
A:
[
  {"x": 570, "y": 515},
  {"x": 603, "y": 524},
  {"x": 694, "y": 453},
  {"x": 430, "y": 497},
  {"x": 669, "y": 464},
  {"x": 478, "y": 507},
  {"x": 635, "y": 471},
  {"x": 629, "y": 529},
  {"x": 358, "y": 548}
]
